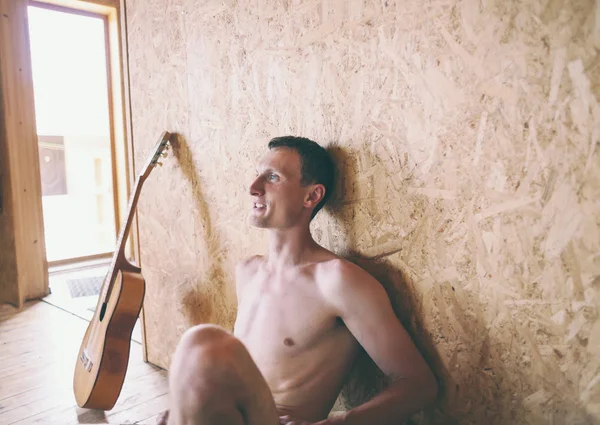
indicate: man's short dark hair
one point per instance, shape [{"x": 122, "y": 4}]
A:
[{"x": 316, "y": 164}]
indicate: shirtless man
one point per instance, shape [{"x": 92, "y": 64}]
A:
[{"x": 302, "y": 314}]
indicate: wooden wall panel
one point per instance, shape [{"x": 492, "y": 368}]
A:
[
  {"x": 467, "y": 138},
  {"x": 23, "y": 265},
  {"x": 8, "y": 262}
]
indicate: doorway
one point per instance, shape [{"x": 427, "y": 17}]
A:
[{"x": 71, "y": 82}]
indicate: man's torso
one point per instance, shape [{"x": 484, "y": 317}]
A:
[{"x": 301, "y": 347}]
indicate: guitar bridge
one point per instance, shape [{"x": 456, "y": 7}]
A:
[{"x": 86, "y": 361}]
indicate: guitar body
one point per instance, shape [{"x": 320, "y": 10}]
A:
[{"x": 104, "y": 353}]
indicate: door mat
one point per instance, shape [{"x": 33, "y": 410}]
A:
[{"x": 85, "y": 286}]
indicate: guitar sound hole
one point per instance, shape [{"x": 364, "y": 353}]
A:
[{"x": 102, "y": 311}]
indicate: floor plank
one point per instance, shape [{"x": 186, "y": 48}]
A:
[{"x": 38, "y": 348}]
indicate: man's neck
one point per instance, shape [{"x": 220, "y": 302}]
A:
[{"x": 289, "y": 247}]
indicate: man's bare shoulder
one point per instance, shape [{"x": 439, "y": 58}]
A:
[
  {"x": 339, "y": 275},
  {"x": 349, "y": 289}
]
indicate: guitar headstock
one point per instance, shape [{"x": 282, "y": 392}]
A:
[{"x": 160, "y": 150}]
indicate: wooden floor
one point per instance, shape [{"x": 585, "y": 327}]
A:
[{"x": 38, "y": 347}]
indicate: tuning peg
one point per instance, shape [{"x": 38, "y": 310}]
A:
[
  {"x": 164, "y": 154},
  {"x": 159, "y": 163}
]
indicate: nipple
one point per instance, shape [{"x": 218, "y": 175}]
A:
[{"x": 288, "y": 342}]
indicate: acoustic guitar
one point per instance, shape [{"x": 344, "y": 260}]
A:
[{"x": 104, "y": 353}]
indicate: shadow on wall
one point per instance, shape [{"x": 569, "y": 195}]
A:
[
  {"x": 204, "y": 302},
  {"x": 476, "y": 389}
]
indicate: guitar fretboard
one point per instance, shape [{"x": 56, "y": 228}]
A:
[{"x": 119, "y": 254}]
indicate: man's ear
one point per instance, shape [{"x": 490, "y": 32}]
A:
[{"x": 315, "y": 196}]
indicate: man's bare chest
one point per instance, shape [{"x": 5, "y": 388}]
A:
[{"x": 283, "y": 316}]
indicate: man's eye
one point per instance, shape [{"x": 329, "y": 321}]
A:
[{"x": 272, "y": 177}]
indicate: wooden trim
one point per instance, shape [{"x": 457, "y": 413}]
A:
[
  {"x": 73, "y": 261},
  {"x": 60, "y": 8},
  {"x": 123, "y": 154},
  {"x": 23, "y": 169},
  {"x": 99, "y": 7},
  {"x": 128, "y": 134},
  {"x": 111, "y": 120}
]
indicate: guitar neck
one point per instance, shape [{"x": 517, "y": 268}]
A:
[
  {"x": 119, "y": 260},
  {"x": 133, "y": 200}
]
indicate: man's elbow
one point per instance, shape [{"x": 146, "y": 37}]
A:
[
  {"x": 421, "y": 387},
  {"x": 426, "y": 387},
  {"x": 429, "y": 389}
]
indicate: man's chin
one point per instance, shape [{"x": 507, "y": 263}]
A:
[{"x": 258, "y": 222}]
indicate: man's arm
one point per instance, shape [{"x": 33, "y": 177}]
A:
[{"x": 365, "y": 308}]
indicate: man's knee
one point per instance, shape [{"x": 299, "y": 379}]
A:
[
  {"x": 209, "y": 344},
  {"x": 204, "y": 334},
  {"x": 203, "y": 375}
]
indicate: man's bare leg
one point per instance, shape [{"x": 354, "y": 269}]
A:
[{"x": 214, "y": 381}]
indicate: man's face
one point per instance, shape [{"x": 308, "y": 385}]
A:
[{"x": 277, "y": 195}]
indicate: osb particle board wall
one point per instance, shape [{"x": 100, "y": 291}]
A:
[{"x": 466, "y": 134}]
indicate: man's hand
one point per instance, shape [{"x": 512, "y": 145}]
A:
[
  {"x": 163, "y": 418},
  {"x": 288, "y": 420}
]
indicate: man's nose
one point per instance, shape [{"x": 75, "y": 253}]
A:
[{"x": 256, "y": 188}]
